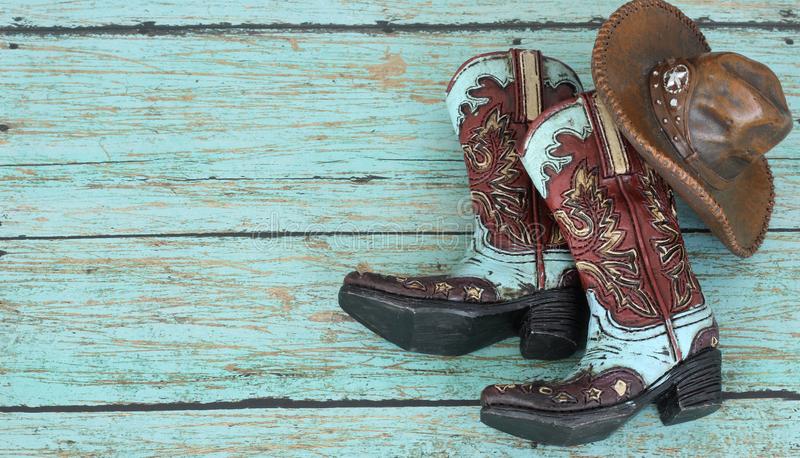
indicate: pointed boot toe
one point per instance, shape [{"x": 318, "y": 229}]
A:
[
  {"x": 435, "y": 315},
  {"x": 562, "y": 413}
]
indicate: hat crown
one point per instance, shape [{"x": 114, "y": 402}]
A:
[
  {"x": 686, "y": 146},
  {"x": 736, "y": 112}
]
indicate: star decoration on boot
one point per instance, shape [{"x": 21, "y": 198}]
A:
[
  {"x": 593, "y": 394},
  {"x": 473, "y": 293},
  {"x": 442, "y": 288},
  {"x": 621, "y": 387},
  {"x": 676, "y": 80}
]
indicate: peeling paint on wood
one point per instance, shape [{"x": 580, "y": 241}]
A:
[
  {"x": 120, "y": 135},
  {"x": 110, "y": 321},
  {"x": 750, "y": 428},
  {"x": 382, "y": 13},
  {"x": 202, "y": 179}
]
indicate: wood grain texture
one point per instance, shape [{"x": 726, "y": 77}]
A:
[
  {"x": 82, "y": 13},
  {"x": 241, "y": 117},
  {"x": 108, "y": 321},
  {"x": 751, "y": 428},
  {"x": 244, "y": 132}
]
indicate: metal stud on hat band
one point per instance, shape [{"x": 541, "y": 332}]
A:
[{"x": 671, "y": 88}]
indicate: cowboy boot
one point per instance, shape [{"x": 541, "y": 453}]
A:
[
  {"x": 652, "y": 338},
  {"x": 515, "y": 277}
]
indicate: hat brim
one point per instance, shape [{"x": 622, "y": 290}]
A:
[{"x": 636, "y": 37}]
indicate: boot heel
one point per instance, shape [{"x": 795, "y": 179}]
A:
[
  {"x": 555, "y": 325},
  {"x": 698, "y": 391}
]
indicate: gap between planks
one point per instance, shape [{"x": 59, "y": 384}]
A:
[
  {"x": 284, "y": 403},
  {"x": 294, "y": 234},
  {"x": 385, "y": 27}
]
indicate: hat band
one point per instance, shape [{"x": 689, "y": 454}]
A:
[{"x": 672, "y": 83}]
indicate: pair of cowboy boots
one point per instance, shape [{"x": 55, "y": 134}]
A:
[{"x": 570, "y": 225}]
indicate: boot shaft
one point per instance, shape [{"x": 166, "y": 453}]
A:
[
  {"x": 492, "y": 99},
  {"x": 619, "y": 220}
]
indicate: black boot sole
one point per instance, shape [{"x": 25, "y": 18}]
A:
[
  {"x": 553, "y": 322},
  {"x": 689, "y": 391}
]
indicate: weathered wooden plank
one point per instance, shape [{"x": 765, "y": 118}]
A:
[
  {"x": 405, "y": 196},
  {"x": 742, "y": 427},
  {"x": 228, "y": 133},
  {"x": 118, "y": 199},
  {"x": 216, "y": 133},
  {"x": 163, "y": 320},
  {"x": 86, "y": 13}
]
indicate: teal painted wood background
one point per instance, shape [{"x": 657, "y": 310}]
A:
[{"x": 183, "y": 187}]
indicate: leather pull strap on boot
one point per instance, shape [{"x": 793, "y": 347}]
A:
[
  {"x": 652, "y": 338},
  {"x": 517, "y": 275}
]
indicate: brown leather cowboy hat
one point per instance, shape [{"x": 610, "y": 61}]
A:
[{"x": 702, "y": 120}]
